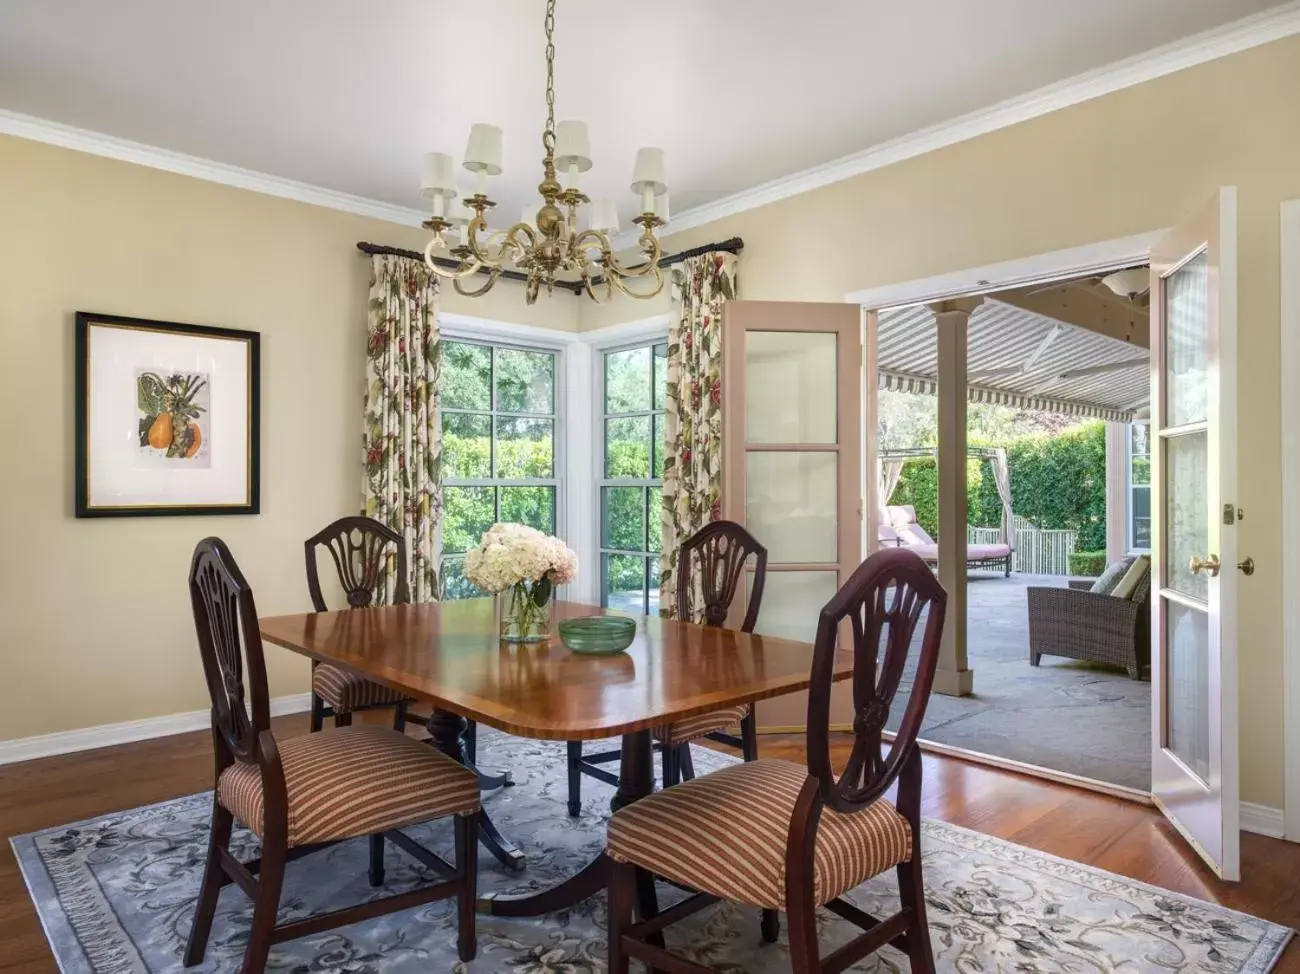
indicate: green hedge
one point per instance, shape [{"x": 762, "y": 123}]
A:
[
  {"x": 1088, "y": 564},
  {"x": 1057, "y": 482}
]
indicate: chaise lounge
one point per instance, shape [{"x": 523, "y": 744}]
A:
[{"x": 899, "y": 528}]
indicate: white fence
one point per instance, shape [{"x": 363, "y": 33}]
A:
[{"x": 1038, "y": 551}]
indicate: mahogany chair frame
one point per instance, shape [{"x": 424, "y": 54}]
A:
[
  {"x": 225, "y": 618},
  {"x": 723, "y": 549},
  {"x": 891, "y": 587}
]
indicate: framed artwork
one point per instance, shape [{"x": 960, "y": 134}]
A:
[{"x": 166, "y": 418}]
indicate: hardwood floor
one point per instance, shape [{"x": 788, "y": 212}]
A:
[{"x": 1105, "y": 832}]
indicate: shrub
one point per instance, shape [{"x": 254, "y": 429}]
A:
[{"x": 1088, "y": 564}]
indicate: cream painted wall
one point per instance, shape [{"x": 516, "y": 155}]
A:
[
  {"x": 1130, "y": 162},
  {"x": 95, "y": 625}
]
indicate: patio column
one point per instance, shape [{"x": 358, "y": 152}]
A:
[
  {"x": 952, "y": 318},
  {"x": 1116, "y": 490}
]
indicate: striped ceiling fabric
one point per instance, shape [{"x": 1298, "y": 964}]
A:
[{"x": 1005, "y": 337}]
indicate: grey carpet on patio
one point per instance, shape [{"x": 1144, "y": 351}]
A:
[{"x": 1081, "y": 718}]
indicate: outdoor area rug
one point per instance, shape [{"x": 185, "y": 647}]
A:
[{"x": 116, "y": 895}]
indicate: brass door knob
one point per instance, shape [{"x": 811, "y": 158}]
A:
[
  {"x": 1247, "y": 567},
  {"x": 1209, "y": 564}
]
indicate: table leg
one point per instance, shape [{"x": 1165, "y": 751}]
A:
[
  {"x": 448, "y": 733},
  {"x": 635, "y": 781}
]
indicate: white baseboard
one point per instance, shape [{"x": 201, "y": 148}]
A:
[
  {"x": 89, "y": 738},
  {"x": 1262, "y": 820}
]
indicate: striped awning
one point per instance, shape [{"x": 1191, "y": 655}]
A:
[{"x": 1000, "y": 340}]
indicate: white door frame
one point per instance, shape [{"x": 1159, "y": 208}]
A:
[{"x": 1290, "y": 513}]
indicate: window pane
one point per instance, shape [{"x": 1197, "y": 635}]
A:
[
  {"x": 661, "y": 377},
  {"x": 659, "y": 422},
  {"x": 627, "y": 381},
  {"x": 454, "y": 583},
  {"x": 1141, "y": 471},
  {"x": 627, "y": 447},
  {"x": 654, "y": 587},
  {"x": 525, "y": 381},
  {"x": 466, "y": 378},
  {"x": 1141, "y": 434},
  {"x": 467, "y": 513},
  {"x": 466, "y": 445},
  {"x": 525, "y": 448},
  {"x": 656, "y": 516},
  {"x": 534, "y": 506},
  {"x": 624, "y": 518},
  {"x": 624, "y": 582}
]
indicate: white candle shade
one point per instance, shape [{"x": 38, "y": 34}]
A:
[
  {"x": 437, "y": 181},
  {"x": 600, "y": 214},
  {"x": 483, "y": 153},
  {"x": 572, "y": 148},
  {"x": 648, "y": 173}
]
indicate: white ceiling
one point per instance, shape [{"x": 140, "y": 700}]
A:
[{"x": 346, "y": 95}]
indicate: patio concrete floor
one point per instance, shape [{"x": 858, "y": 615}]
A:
[{"x": 1082, "y": 718}]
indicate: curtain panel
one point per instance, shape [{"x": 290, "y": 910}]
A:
[
  {"x": 692, "y": 491},
  {"x": 402, "y": 442}
]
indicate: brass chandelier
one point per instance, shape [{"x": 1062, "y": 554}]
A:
[{"x": 550, "y": 244}]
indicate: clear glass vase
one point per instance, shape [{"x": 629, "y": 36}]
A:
[{"x": 520, "y": 617}]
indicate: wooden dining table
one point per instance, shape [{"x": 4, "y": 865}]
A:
[{"x": 450, "y": 655}]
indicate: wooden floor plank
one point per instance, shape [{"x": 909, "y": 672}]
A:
[{"x": 1110, "y": 833}]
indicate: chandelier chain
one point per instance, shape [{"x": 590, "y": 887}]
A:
[{"x": 548, "y": 136}]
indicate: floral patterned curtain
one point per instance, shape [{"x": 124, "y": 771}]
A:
[
  {"x": 402, "y": 441},
  {"x": 693, "y": 428}
]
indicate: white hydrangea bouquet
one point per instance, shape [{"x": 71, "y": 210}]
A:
[{"x": 521, "y": 566}]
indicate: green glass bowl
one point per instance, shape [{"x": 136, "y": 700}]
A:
[{"x": 598, "y": 635}]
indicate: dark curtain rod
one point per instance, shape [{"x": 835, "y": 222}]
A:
[{"x": 733, "y": 246}]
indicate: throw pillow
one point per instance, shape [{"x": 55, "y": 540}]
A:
[
  {"x": 1107, "y": 580},
  {"x": 1132, "y": 578}
]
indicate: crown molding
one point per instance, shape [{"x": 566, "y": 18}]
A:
[
  {"x": 124, "y": 150},
  {"x": 1210, "y": 45}
]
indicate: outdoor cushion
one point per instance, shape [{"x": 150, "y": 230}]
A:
[
  {"x": 353, "y": 781},
  {"x": 724, "y": 833},
  {"x": 690, "y": 728},
  {"x": 345, "y": 691},
  {"x": 886, "y": 535},
  {"x": 1108, "y": 579},
  {"x": 1132, "y": 578},
  {"x": 913, "y": 534},
  {"x": 901, "y": 515},
  {"x": 979, "y": 552}
]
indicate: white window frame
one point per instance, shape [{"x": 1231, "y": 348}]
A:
[
  {"x": 504, "y": 335},
  {"x": 1130, "y": 533},
  {"x": 642, "y": 483}
]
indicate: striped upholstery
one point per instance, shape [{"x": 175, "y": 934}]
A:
[
  {"x": 346, "y": 692},
  {"x": 353, "y": 781},
  {"x": 696, "y": 727},
  {"x": 725, "y": 834}
]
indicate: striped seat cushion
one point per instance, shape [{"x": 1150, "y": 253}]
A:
[
  {"x": 353, "y": 781},
  {"x": 346, "y": 692},
  {"x": 725, "y": 834},
  {"x": 693, "y": 728}
]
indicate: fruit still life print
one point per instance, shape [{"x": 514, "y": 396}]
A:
[{"x": 173, "y": 417}]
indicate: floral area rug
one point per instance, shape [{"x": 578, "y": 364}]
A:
[{"x": 116, "y": 896}]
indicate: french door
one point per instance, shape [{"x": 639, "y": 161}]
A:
[
  {"x": 792, "y": 464},
  {"x": 1194, "y": 760}
]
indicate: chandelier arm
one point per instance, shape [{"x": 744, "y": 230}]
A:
[
  {"x": 619, "y": 282},
  {"x": 492, "y": 276},
  {"x": 466, "y": 268}
]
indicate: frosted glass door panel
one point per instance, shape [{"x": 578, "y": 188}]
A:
[
  {"x": 1187, "y": 324},
  {"x": 791, "y": 505},
  {"x": 790, "y": 378},
  {"x": 1187, "y": 687},
  {"x": 792, "y": 603},
  {"x": 1187, "y": 532}
]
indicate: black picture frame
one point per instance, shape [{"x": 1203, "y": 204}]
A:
[{"x": 83, "y": 506}]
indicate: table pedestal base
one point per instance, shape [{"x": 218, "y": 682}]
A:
[
  {"x": 448, "y": 733},
  {"x": 635, "y": 781}
]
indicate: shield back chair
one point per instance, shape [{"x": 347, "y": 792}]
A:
[
  {"x": 719, "y": 551},
  {"x": 776, "y": 835},
  {"x": 306, "y": 793}
]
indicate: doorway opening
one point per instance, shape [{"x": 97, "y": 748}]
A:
[{"x": 1053, "y": 675}]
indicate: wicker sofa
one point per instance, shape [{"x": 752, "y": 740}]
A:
[{"x": 1079, "y": 624}]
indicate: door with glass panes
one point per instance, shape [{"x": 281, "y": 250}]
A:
[{"x": 792, "y": 468}]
